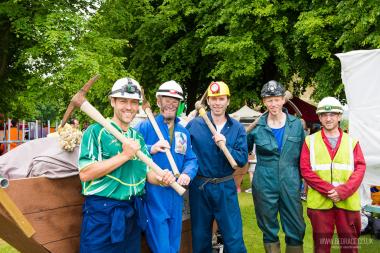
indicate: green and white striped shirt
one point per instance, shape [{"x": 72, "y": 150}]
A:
[{"x": 124, "y": 182}]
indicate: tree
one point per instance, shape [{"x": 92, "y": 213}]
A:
[
  {"x": 331, "y": 27},
  {"x": 49, "y": 49},
  {"x": 38, "y": 38},
  {"x": 165, "y": 46}
]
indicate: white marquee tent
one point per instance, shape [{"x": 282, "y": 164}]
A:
[{"x": 245, "y": 113}]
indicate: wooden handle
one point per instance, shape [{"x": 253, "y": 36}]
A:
[
  {"x": 288, "y": 96},
  {"x": 16, "y": 214},
  {"x": 253, "y": 124},
  {"x": 91, "y": 111},
  {"x": 221, "y": 144},
  {"x": 169, "y": 155}
]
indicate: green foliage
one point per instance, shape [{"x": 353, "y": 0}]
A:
[
  {"x": 49, "y": 49},
  {"x": 330, "y": 27},
  {"x": 39, "y": 36}
]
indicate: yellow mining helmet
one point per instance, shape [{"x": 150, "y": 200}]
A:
[{"x": 218, "y": 88}]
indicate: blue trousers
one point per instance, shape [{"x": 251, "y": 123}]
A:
[
  {"x": 219, "y": 202},
  {"x": 111, "y": 226},
  {"x": 164, "y": 211}
]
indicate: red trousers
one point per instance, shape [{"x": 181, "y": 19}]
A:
[{"x": 347, "y": 225}]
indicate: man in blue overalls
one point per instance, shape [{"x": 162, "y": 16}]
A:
[
  {"x": 213, "y": 194},
  {"x": 164, "y": 205}
]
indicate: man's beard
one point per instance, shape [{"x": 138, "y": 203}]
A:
[{"x": 171, "y": 115}]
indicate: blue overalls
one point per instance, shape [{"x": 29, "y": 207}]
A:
[
  {"x": 111, "y": 225},
  {"x": 213, "y": 194},
  {"x": 164, "y": 205},
  {"x": 276, "y": 182}
]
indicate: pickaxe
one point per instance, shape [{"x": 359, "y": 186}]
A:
[
  {"x": 148, "y": 111},
  {"x": 199, "y": 106},
  {"x": 79, "y": 100},
  {"x": 288, "y": 96}
]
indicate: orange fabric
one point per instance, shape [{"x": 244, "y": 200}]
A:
[
  {"x": 376, "y": 197},
  {"x": 15, "y": 135}
]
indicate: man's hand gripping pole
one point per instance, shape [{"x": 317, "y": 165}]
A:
[
  {"x": 148, "y": 111},
  {"x": 79, "y": 100},
  {"x": 199, "y": 106}
]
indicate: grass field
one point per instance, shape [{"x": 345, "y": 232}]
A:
[
  {"x": 5, "y": 248},
  {"x": 253, "y": 235}
]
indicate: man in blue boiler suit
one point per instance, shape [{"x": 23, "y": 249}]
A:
[{"x": 164, "y": 205}]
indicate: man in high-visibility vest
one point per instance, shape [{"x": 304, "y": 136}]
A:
[{"x": 333, "y": 166}]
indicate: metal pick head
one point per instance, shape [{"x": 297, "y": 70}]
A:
[
  {"x": 78, "y": 99},
  {"x": 288, "y": 95}
]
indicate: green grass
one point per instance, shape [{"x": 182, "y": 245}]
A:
[
  {"x": 5, "y": 248},
  {"x": 253, "y": 236}
]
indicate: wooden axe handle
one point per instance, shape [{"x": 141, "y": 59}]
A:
[
  {"x": 203, "y": 98},
  {"x": 253, "y": 124},
  {"x": 169, "y": 155},
  {"x": 91, "y": 111},
  {"x": 221, "y": 144},
  {"x": 201, "y": 102}
]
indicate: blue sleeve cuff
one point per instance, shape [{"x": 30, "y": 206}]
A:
[
  {"x": 191, "y": 169},
  {"x": 149, "y": 147}
]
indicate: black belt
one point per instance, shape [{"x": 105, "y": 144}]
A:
[{"x": 213, "y": 180}]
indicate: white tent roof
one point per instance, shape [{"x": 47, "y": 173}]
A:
[{"x": 245, "y": 112}]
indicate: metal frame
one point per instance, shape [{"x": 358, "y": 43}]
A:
[{"x": 36, "y": 126}]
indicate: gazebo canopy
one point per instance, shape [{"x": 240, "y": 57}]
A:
[
  {"x": 308, "y": 110},
  {"x": 246, "y": 113}
]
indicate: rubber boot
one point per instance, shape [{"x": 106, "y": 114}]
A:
[
  {"x": 273, "y": 247},
  {"x": 294, "y": 249}
]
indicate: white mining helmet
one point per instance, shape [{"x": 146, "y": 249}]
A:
[
  {"x": 329, "y": 104},
  {"x": 126, "y": 88},
  {"x": 170, "y": 89}
]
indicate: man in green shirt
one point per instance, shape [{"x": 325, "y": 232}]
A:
[{"x": 113, "y": 178}]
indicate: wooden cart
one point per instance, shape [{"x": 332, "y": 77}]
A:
[{"x": 41, "y": 215}]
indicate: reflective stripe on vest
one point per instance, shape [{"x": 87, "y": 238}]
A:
[{"x": 336, "y": 171}]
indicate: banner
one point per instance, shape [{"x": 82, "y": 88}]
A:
[{"x": 361, "y": 79}]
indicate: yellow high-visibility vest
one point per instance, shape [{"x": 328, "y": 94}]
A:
[{"x": 336, "y": 171}]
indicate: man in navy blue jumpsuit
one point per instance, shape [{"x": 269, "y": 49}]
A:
[
  {"x": 164, "y": 205},
  {"x": 213, "y": 194}
]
